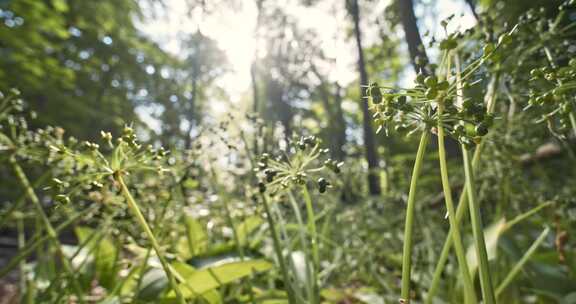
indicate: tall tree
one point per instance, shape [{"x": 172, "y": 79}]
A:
[
  {"x": 416, "y": 48},
  {"x": 369, "y": 142}
]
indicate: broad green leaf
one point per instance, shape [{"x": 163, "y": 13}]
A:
[
  {"x": 491, "y": 236},
  {"x": 197, "y": 282}
]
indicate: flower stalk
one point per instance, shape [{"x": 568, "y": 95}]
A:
[
  {"x": 133, "y": 206},
  {"x": 408, "y": 227}
]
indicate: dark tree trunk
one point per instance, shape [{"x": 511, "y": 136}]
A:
[
  {"x": 417, "y": 49},
  {"x": 415, "y": 46},
  {"x": 369, "y": 144}
]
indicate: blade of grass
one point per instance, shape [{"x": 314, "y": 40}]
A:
[{"x": 516, "y": 269}]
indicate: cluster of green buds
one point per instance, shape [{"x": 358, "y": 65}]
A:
[
  {"x": 416, "y": 108},
  {"x": 552, "y": 95},
  {"x": 295, "y": 167},
  {"x": 129, "y": 137}
]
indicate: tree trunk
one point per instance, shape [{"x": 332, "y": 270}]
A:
[
  {"x": 415, "y": 46},
  {"x": 472, "y": 6},
  {"x": 369, "y": 144},
  {"x": 416, "y": 49}
]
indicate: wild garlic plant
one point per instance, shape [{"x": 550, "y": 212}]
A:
[
  {"x": 437, "y": 105},
  {"x": 280, "y": 178},
  {"x": 84, "y": 169},
  {"x": 129, "y": 156}
]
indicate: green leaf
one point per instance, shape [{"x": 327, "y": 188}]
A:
[{"x": 197, "y": 282}]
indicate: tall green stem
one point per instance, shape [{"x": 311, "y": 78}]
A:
[
  {"x": 278, "y": 249},
  {"x": 469, "y": 293},
  {"x": 23, "y": 179},
  {"x": 133, "y": 206},
  {"x": 313, "y": 240},
  {"x": 302, "y": 235},
  {"x": 462, "y": 209},
  {"x": 478, "y": 230},
  {"x": 461, "y": 212},
  {"x": 407, "y": 251}
]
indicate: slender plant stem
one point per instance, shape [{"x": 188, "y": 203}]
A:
[
  {"x": 278, "y": 249},
  {"x": 462, "y": 208},
  {"x": 407, "y": 251},
  {"x": 311, "y": 226},
  {"x": 511, "y": 223},
  {"x": 23, "y": 179},
  {"x": 516, "y": 269},
  {"x": 469, "y": 292},
  {"x": 313, "y": 240},
  {"x": 478, "y": 231},
  {"x": 133, "y": 206},
  {"x": 302, "y": 235}
]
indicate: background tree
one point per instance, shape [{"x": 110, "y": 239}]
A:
[
  {"x": 87, "y": 65},
  {"x": 369, "y": 142}
]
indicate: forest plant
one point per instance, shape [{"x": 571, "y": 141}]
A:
[
  {"x": 289, "y": 171},
  {"x": 432, "y": 107}
]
